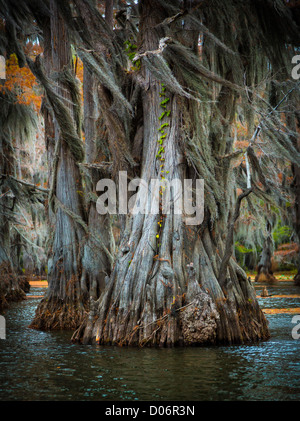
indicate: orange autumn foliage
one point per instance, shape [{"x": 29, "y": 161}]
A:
[{"x": 22, "y": 83}]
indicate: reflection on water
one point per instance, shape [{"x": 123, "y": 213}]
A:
[{"x": 46, "y": 366}]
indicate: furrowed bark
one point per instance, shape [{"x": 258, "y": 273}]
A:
[
  {"x": 10, "y": 289},
  {"x": 264, "y": 267},
  {"x": 164, "y": 288},
  {"x": 295, "y": 123},
  {"x": 64, "y": 304},
  {"x": 97, "y": 266},
  {"x": 264, "y": 271},
  {"x": 229, "y": 241}
]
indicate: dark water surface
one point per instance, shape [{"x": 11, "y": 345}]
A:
[{"x": 46, "y": 366}]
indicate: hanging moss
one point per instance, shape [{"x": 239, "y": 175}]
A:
[{"x": 61, "y": 111}]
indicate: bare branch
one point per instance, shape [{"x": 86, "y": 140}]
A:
[
  {"x": 229, "y": 241},
  {"x": 26, "y": 183}
]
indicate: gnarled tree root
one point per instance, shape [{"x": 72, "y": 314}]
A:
[
  {"x": 200, "y": 320},
  {"x": 57, "y": 314}
]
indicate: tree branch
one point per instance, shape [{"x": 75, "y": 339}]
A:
[
  {"x": 229, "y": 241},
  {"x": 25, "y": 183}
]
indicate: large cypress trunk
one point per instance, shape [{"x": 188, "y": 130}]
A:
[
  {"x": 293, "y": 123},
  {"x": 296, "y": 170},
  {"x": 165, "y": 288},
  {"x": 64, "y": 303},
  {"x": 264, "y": 267},
  {"x": 9, "y": 286},
  {"x": 296, "y": 189},
  {"x": 96, "y": 263}
]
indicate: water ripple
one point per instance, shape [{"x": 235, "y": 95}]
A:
[{"x": 47, "y": 366}]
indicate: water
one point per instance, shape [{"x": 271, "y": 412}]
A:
[{"x": 47, "y": 366}]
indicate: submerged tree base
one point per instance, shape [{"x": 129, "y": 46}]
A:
[
  {"x": 10, "y": 290},
  {"x": 12, "y": 296},
  {"x": 266, "y": 277},
  {"x": 57, "y": 314},
  {"x": 197, "y": 318},
  {"x": 193, "y": 326}
]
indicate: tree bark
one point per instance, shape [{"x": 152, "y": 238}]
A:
[
  {"x": 264, "y": 267},
  {"x": 296, "y": 190},
  {"x": 9, "y": 287},
  {"x": 65, "y": 302},
  {"x": 96, "y": 264},
  {"x": 296, "y": 171},
  {"x": 164, "y": 288}
]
